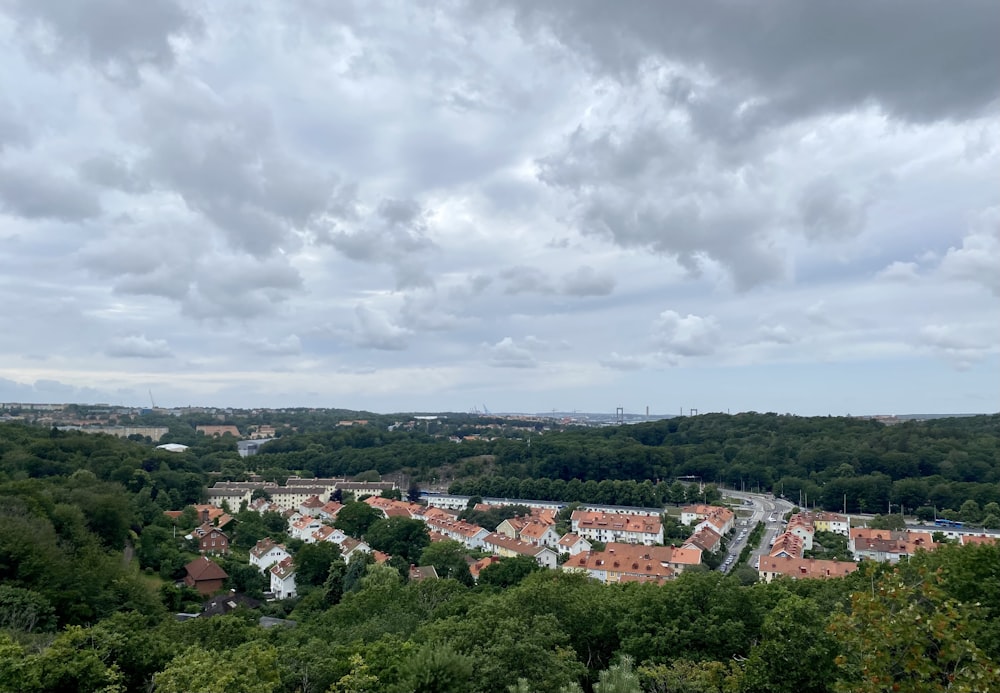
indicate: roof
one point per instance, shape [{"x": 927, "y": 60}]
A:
[
  {"x": 797, "y": 568},
  {"x": 519, "y": 547},
  {"x": 283, "y": 568},
  {"x": 204, "y": 568},
  {"x": 172, "y": 447},
  {"x": 618, "y": 522},
  {"x": 570, "y": 539},
  {"x": 640, "y": 563},
  {"x": 422, "y": 572},
  {"x": 224, "y": 603}
]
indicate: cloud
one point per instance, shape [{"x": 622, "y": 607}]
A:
[
  {"x": 760, "y": 66},
  {"x": 586, "y": 281},
  {"x": 778, "y": 334},
  {"x": 118, "y": 38},
  {"x": 624, "y": 363},
  {"x": 524, "y": 280},
  {"x": 827, "y": 211},
  {"x": 139, "y": 346},
  {"x": 288, "y": 346},
  {"x": 899, "y": 271},
  {"x": 374, "y": 330},
  {"x": 507, "y": 354},
  {"x": 32, "y": 193},
  {"x": 691, "y": 335},
  {"x": 978, "y": 259}
]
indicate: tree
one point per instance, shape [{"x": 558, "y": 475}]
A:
[
  {"x": 354, "y": 519},
  {"x": 313, "y": 561},
  {"x": 449, "y": 560},
  {"x": 508, "y": 572},
  {"x": 908, "y": 637},
  {"x": 248, "y": 668},
  {"x": 24, "y": 610},
  {"x": 399, "y": 536},
  {"x": 358, "y": 680},
  {"x": 892, "y": 522},
  {"x": 619, "y": 678},
  {"x": 808, "y": 667},
  {"x": 438, "y": 669}
]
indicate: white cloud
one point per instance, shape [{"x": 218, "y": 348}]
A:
[
  {"x": 139, "y": 346},
  {"x": 691, "y": 335}
]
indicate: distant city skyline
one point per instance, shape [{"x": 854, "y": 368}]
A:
[{"x": 568, "y": 205}]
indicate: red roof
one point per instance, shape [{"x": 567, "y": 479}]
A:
[{"x": 205, "y": 569}]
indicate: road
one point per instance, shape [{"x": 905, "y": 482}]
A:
[{"x": 767, "y": 509}]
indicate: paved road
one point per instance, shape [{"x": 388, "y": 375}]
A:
[{"x": 767, "y": 509}]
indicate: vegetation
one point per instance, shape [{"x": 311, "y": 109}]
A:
[{"x": 88, "y": 561}]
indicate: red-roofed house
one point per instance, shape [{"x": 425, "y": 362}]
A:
[
  {"x": 205, "y": 575},
  {"x": 622, "y": 528},
  {"x": 771, "y": 567},
  {"x": 283, "y": 579}
]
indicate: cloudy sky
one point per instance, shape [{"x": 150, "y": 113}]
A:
[{"x": 527, "y": 206}]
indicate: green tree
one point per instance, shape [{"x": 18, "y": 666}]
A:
[
  {"x": 313, "y": 561},
  {"x": 910, "y": 638},
  {"x": 619, "y": 678},
  {"x": 438, "y": 669},
  {"x": 508, "y": 572},
  {"x": 249, "y": 668},
  {"x": 449, "y": 560},
  {"x": 355, "y": 518},
  {"x": 399, "y": 536},
  {"x": 358, "y": 680},
  {"x": 775, "y": 666}
]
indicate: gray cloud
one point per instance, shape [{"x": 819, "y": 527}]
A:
[
  {"x": 118, "y": 38},
  {"x": 35, "y": 194},
  {"x": 919, "y": 61},
  {"x": 586, "y": 281},
  {"x": 829, "y": 211},
  {"x": 374, "y": 330}
]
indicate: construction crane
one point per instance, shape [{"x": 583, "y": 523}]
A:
[{"x": 151, "y": 401}]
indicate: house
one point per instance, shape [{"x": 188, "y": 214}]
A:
[
  {"x": 210, "y": 539},
  {"x": 500, "y": 545},
  {"x": 204, "y": 575},
  {"x": 512, "y": 526},
  {"x": 469, "y": 535},
  {"x": 475, "y": 567},
  {"x": 771, "y": 567},
  {"x": 706, "y": 539},
  {"x": 218, "y": 431},
  {"x": 225, "y": 603},
  {"x": 828, "y": 522},
  {"x": 283, "y": 579},
  {"x": 365, "y": 488},
  {"x": 625, "y": 563},
  {"x": 573, "y": 544},
  {"x": 540, "y": 534},
  {"x": 351, "y": 546},
  {"x": 885, "y": 545},
  {"x": 424, "y": 572},
  {"x": 303, "y": 528},
  {"x": 721, "y": 520},
  {"x": 266, "y": 553},
  {"x": 311, "y": 506},
  {"x": 617, "y": 527},
  {"x": 329, "y": 510},
  {"x": 787, "y": 545},
  {"x": 802, "y": 527}
]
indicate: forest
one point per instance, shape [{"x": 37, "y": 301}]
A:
[{"x": 88, "y": 563}]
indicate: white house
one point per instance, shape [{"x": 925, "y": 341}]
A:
[
  {"x": 283, "y": 579},
  {"x": 266, "y": 553}
]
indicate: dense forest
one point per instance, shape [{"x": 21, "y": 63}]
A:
[{"x": 88, "y": 563}]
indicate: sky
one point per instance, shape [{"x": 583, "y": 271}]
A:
[{"x": 508, "y": 205}]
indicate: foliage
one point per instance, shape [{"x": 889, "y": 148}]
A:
[
  {"x": 355, "y": 518},
  {"x": 399, "y": 536},
  {"x": 909, "y": 637}
]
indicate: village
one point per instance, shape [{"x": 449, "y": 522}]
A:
[{"x": 610, "y": 544}]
